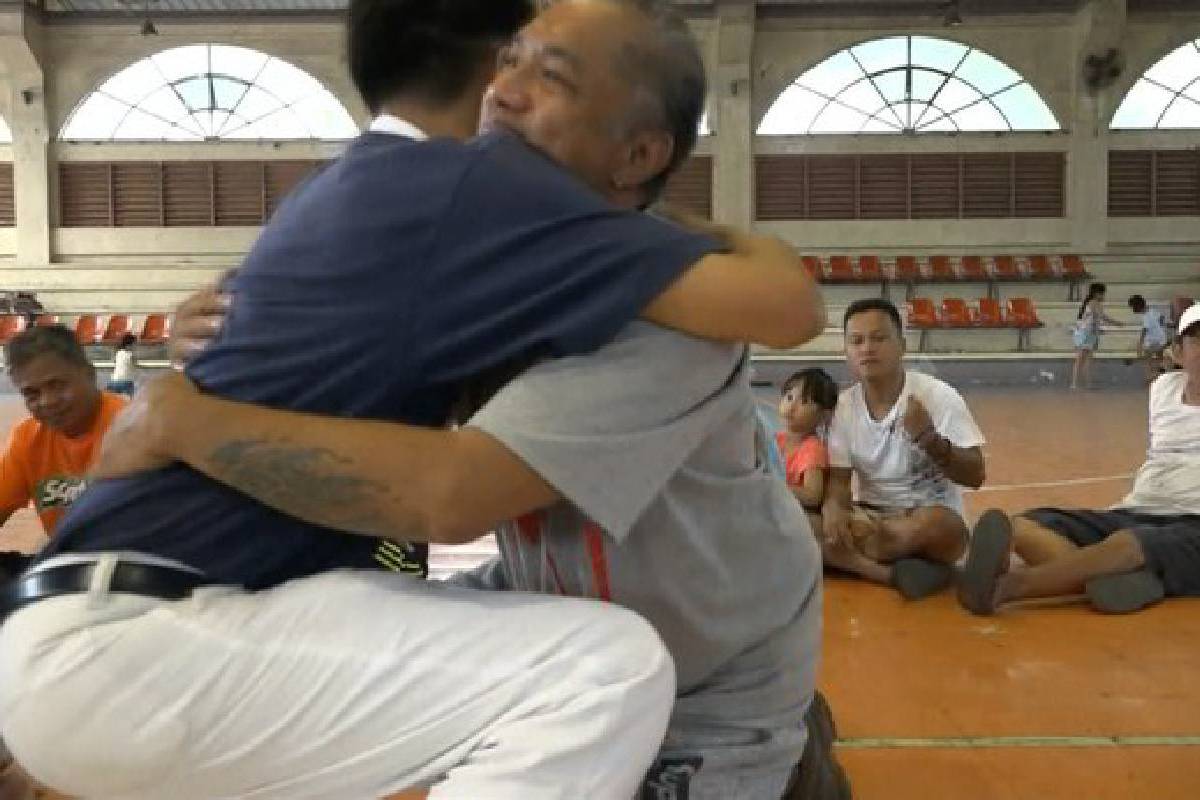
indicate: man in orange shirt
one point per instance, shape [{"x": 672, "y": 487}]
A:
[{"x": 49, "y": 454}]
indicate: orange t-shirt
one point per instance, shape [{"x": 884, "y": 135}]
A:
[
  {"x": 811, "y": 453},
  {"x": 48, "y": 468}
]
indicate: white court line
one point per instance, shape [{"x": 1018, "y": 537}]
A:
[
  {"x": 984, "y": 742},
  {"x": 1012, "y": 487}
]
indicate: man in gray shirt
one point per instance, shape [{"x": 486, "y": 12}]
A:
[{"x": 669, "y": 509}]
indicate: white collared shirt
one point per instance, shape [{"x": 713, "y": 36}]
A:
[{"x": 393, "y": 125}]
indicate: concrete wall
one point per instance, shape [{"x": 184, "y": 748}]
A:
[{"x": 750, "y": 58}]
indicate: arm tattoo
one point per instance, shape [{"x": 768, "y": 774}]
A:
[{"x": 314, "y": 484}]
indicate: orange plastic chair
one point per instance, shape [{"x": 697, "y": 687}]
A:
[
  {"x": 921, "y": 313},
  {"x": 156, "y": 329},
  {"x": 1022, "y": 313},
  {"x": 840, "y": 268},
  {"x": 869, "y": 269},
  {"x": 87, "y": 329},
  {"x": 955, "y": 314},
  {"x": 907, "y": 268},
  {"x": 1072, "y": 267},
  {"x": 10, "y": 326},
  {"x": 972, "y": 268},
  {"x": 1005, "y": 267},
  {"x": 988, "y": 314},
  {"x": 1041, "y": 268},
  {"x": 813, "y": 265},
  {"x": 118, "y": 326},
  {"x": 941, "y": 268},
  {"x": 46, "y": 320}
]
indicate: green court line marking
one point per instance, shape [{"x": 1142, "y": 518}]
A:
[{"x": 980, "y": 742}]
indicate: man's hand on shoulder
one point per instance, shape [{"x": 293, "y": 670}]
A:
[
  {"x": 138, "y": 440},
  {"x": 197, "y": 322}
]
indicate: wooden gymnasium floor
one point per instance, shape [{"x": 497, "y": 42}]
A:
[{"x": 1036, "y": 704}]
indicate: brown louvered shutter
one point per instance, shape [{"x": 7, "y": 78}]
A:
[
  {"x": 780, "y": 187},
  {"x": 987, "y": 185},
  {"x": 1039, "y": 189},
  {"x": 241, "y": 193},
  {"x": 188, "y": 193},
  {"x": 8, "y": 206},
  {"x": 832, "y": 184},
  {"x": 85, "y": 195},
  {"x": 691, "y": 186},
  {"x": 883, "y": 187},
  {"x": 1176, "y": 183},
  {"x": 1130, "y": 183},
  {"x": 137, "y": 194},
  {"x": 282, "y": 177},
  {"x": 935, "y": 189}
]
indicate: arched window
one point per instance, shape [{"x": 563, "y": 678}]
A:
[
  {"x": 1167, "y": 96},
  {"x": 208, "y": 92},
  {"x": 908, "y": 84},
  {"x": 5, "y": 133}
]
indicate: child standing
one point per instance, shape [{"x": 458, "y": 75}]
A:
[
  {"x": 1154, "y": 338},
  {"x": 1086, "y": 334},
  {"x": 121, "y": 380},
  {"x": 806, "y": 407}
]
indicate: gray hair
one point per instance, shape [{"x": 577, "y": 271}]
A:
[{"x": 667, "y": 74}]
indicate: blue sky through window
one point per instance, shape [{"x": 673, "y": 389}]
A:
[
  {"x": 209, "y": 92},
  {"x": 908, "y": 84},
  {"x": 1167, "y": 96}
]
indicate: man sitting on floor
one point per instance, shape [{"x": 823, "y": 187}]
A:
[
  {"x": 49, "y": 452},
  {"x": 1126, "y": 558},
  {"x": 910, "y": 441}
]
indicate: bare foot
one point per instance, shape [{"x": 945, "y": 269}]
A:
[{"x": 839, "y": 556}]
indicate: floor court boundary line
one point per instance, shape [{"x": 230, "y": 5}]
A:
[
  {"x": 1013, "y": 487},
  {"x": 994, "y": 742}
]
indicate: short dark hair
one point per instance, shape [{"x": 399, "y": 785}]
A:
[
  {"x": 667, "y": 71},
  {"x": 128, "y": 340},
  {"x": 874, "y": 304},
  {"x": 43, "y": 340},
  {"x": 816, "y": 386},
  {"x": 1137, "y": 303},
  {"x": 432, "y": 49}
]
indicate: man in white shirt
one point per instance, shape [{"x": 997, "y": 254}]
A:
[
  {"x": 1145, "y": 548},
  {"x": 910, "y": 442}
]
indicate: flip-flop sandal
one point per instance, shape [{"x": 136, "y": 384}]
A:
[
  {"x": 990, "y": 545},
  {"x": 918, "y": 578},
  {"x": 1125, "y": 593}
]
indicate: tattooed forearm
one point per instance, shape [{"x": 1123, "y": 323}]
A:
[{"x": 314, "y": 484}]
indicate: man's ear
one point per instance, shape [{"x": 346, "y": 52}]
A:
[{"x": 647, "y": 155}]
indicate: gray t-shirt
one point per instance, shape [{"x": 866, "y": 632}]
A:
[{"x": 671, "y": 510}]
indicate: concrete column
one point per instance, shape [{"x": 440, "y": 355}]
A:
[
  {"x": 31, "y": 170},
  {"x": 20, "y": 43},
  {"x": 1101, "y": 25},
  {"x": 733, "y": 157}
]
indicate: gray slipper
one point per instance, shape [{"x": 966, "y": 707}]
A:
[
  {"x": 918, "y": 578},
  {"x": 991, "y": 542},
  {"x": 1125, "y": 593}
]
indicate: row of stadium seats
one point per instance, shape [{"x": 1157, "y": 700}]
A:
[
  {"x": 1019, "y": 314},
  {"x": 946, "y": 269},
  {"x": 156, "y": 328}
]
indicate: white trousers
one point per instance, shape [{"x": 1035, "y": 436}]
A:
[{"x": 347, "y": 685}]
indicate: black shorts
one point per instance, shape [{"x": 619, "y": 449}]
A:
[{"x": 1171, "y": 543}]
